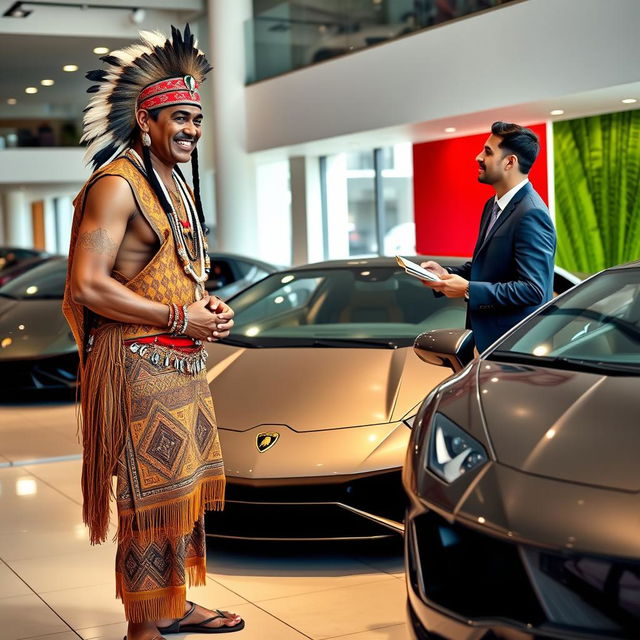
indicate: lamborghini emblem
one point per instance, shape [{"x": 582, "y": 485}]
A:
[{"x": 265, "y": 441}]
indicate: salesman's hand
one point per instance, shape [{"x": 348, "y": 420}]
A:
[
  {"x": 450, "y": 285},
  {"x": 432, "y": 265}
]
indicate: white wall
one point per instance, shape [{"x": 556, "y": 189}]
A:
[
  {"x": 528, "y": 51},
  {"x": 42, "y": 166}
]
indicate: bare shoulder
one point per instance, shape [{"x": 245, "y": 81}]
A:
[
  {"x": 108, "y": 206},
  {"x": 110, "y": 197}
]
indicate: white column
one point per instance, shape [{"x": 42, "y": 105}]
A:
[
  {"x": 64, "y": 218},
  {"x": 50, "y": 234},
  {"x": 338, "y": 206},
  {"x": 235, "y": 173},
  {"x": 274, "y": 212},
  {"x": 551, "y": 171},
  {"x": 306, "y": 210},
  {"x": 18, "y": 226}
]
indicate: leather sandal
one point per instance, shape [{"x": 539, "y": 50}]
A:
[{"x": 200, "y": 627}]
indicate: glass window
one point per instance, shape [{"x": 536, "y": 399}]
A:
[
  {"x": 346, "y": 305},
  {"x": 597, "y": 322},
  {"x": 288, "y": 35},
  {"x": 399, "y": 230},
  {"x": 361, "y": 200},
  {"x": 250, "y": 271},
  {"x": 221, "y": 274},
  {"x": 358, "y": 225}
]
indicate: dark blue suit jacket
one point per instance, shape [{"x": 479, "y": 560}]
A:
[{"x": 511, "y": 272}]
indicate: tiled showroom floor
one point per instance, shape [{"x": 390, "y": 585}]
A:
[{"x": 55, "y": 586}]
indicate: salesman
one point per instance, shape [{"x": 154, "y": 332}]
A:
[{"x": 511, "y": 272}]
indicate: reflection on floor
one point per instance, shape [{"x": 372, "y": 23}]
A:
[{"x": 55, "y": 586}]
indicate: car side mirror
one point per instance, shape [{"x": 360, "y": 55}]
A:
[{"x": 446, "y": 347}]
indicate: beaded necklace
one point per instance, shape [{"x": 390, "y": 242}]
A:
[{"x": 187, "y": 258}]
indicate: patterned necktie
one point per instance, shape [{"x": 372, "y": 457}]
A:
[{"x": 494, "y": 216}]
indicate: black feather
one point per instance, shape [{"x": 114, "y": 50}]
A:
[
  {"x": 103, "y": 155},
  {"x": 94, "y": 88},
  {"x": 96, "y": 76},
  {"x": 112, "y": 60}
]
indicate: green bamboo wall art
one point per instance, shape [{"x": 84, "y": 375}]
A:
[{"x": 597, "y": 190}]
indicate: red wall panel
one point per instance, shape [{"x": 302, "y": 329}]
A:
[{"x": 448, "y": 198}]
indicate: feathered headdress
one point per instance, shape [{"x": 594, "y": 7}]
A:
[{"x": 110, "y": 117}]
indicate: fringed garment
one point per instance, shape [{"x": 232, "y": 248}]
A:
[{"x": 147, "y": 417}]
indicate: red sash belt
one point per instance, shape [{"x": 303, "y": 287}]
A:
[{"x": 179, "y": 343}]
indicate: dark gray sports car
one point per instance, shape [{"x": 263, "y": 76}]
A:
[
  {"x": 37, "y": 349},
  {"x": 523, "y": 475}
]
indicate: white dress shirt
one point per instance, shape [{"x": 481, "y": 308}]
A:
[{"x": 507, "y": 197}]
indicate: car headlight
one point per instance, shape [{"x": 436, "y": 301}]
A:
[{"x": 452, "y": 451}]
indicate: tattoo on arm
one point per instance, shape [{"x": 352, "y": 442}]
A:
[{"x": 98, "y": 241}]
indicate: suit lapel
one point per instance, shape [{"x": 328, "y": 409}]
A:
[
  {"x": 513, "y": 203},
  {"x": 484, "y": 221}
]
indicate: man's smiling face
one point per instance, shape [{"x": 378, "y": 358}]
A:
[
  {"x": 491, "y": 161},
  {"x": 175, "y": 133}
]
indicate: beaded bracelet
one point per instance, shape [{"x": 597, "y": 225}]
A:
[
  {"x": 185, "y": 319},
  {"x": 171, "y": 314},
  {"x": 175, "y": 319},
  {"x": 179, "y": 320}
]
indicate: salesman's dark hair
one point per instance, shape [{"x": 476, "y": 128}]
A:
[{"x": 519, "y": 141}]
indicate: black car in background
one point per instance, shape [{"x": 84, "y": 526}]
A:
[
  {"x": 37, "y": 349},
  {"x": 523, "y": 477},
  {"x": 18, "y": 268},
  {"x": 10, "y": 256}
]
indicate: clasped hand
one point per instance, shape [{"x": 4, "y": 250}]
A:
[
  {"x": 210, "y": 319},
  {"x": 450, "y": 285}
]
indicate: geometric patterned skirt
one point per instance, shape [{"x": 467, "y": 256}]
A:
[{"x": 170, "y": 471}]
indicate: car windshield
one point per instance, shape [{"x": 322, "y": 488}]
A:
[
  {"x": 594, "y": 327},
  {"x": 46, "y": 281},
  {"x": 340, "y": 307}
]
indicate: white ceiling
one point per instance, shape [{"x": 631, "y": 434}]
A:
[
  {"x": 36, "y": 48},
  {"x": 26, "y": 60}
]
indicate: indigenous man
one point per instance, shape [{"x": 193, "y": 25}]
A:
[{"x": 136, "y": 302}]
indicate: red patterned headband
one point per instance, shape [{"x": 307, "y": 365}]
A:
[{"x": 170, "y": 92}]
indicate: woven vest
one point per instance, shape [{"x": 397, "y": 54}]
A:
[{"x": 161, "y": 280}]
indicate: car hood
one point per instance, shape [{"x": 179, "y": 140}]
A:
[
  {"x": 313, "y": 389},
  {"x": 567, "y": 425},
  {"x": 33, "y": 329}
]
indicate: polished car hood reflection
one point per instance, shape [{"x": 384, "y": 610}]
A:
[
  {"x": 313, "y": 389},
  {"x": 33, "y": 329},
  {"x": 573, "y": 426}
]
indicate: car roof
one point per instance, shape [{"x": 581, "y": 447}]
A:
[
  {"x": 378, "y": 261},
  {"x": 222, "y": 255},
  {"x": 627, "y": 265}
]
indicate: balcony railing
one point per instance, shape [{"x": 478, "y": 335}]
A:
[{"x": 291, "y": 36}]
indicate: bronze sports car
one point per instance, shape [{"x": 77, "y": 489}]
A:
[
  {"x": 523, "y": 476},
  {"x": 315, "y": 393}
]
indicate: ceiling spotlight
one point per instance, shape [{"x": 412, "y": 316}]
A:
[
  {"x": 70, "y": 67},
  {"x": 16, "y": 11},
  {"x": 450, "y": 130},
  {"x": 100, "y": 51},
  {"x": 137, "y": 16},
  {"x": 629, "y": 101},
  {"x": 11, "y": 101},
  {"x": 31, "y": 90},
  {"x": 556, "y": 112},
  {"x": 47, "y": 83}
]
